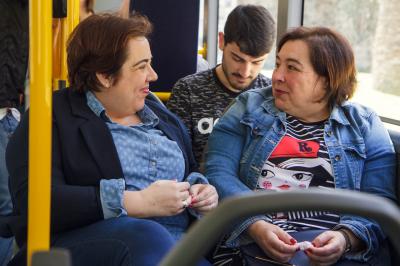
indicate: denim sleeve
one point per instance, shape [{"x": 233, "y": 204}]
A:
[
  {"x": 237, "y": 237},
  {"x": 224, "y": 152},
  {"x": 111, "y": 195},
  {"x": 223, "y": 156},
  {"x": 378, "y": 178},
  {"x": 196, "y": 178},
  {"x": 361, "y": 231}
]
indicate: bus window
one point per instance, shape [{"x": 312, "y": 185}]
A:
[{"x": 373, "y": 29}]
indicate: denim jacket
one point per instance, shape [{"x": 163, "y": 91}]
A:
[{"x": 359, "y": 147}]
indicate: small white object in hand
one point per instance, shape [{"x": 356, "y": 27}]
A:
[{"x": 304, "y": 245}]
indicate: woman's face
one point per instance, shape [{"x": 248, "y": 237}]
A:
[
  {"x": 126, "y": 96},
  {"x": 298, "y": 90}
]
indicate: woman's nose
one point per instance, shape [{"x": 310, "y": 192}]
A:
[
  {"x": 152, "y": 76},
  {"x": 278, "y": 75}
]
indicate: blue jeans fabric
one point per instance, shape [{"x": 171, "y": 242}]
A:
[
  {"x": 122, "y": 241},
  {"x": 7, "y": 126},
  {"x": 6, "y": 250}
]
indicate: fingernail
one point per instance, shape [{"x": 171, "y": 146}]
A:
[{"x": 293, "y": 241}]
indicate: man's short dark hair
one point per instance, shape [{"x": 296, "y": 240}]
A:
[{"x": 252, "y": 28}]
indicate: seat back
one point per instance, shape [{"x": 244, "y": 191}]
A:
[
  {"x": 395, "y": 136},
  {"x": 174, "y": 39}
]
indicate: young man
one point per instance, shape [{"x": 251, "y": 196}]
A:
[{"x": 200, "y": 99}]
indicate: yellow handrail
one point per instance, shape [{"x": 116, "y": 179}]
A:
[
  {"x": 40, "y": 52},
  {"x": 68, "y": 26},
  {"x": 164, "y": 96}
]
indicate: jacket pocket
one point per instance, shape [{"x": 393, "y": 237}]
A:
[{"x": 354, "y": 158}]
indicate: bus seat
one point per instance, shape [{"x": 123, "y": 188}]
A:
[
  {"x": 5, "y": 230},
  {"x": 174, "y": 41},
  {"x": 395, "y": 136}
]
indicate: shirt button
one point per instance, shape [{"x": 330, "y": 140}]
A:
[
  {"x": 153, "y": 163},
  {"x": 329, "y": 133},
  {"x": 256, "y": 130},
  {"x": 337, "y": 158}
]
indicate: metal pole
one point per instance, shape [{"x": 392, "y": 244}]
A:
[{"x": 212, "y": 32}]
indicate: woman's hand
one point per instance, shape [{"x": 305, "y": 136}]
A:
[
  {"x": 275, "y": 242},
  {"x": 329, "y": 247},
  {"x": 204, "y": 198},
  {"x": 161, "y": 198}
]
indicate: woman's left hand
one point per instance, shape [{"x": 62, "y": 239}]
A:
[
  {"x": 327, "y": 248},
  {"x": 204, "y": 197}
]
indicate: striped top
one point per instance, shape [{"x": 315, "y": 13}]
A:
[{"x": 299, "y": 161}]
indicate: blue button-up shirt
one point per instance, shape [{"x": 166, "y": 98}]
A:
[{"x": 146, "y": 155}]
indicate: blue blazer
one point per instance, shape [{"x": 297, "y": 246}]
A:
[{"x": 83, "y": 153}]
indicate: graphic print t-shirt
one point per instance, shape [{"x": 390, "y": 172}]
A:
[{"x": 299, "y": 161}]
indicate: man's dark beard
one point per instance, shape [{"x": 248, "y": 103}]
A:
[{"x": 234, "y": 74}]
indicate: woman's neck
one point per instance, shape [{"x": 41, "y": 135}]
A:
[
  {"x": 312, "y": 117},
  {"x": 125, "y": 120}
]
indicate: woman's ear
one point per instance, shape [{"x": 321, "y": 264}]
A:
[
  {"x": 104, "y": 80},
  {"x": 221, "y": 40}
]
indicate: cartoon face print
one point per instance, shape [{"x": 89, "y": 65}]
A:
[{"x": 273, "y": 177}]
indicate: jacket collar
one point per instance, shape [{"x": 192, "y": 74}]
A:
[
  {"x": 339, "y": 116},
  {"x": 337, "y": 113},
  {"x": 97, "y": 136},
  {"x": 269, "y": 107},
  {"x": 99, "y": 139}
]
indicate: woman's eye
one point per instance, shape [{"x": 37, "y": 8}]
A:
[
  {"x": 302, "y": 176},
  {"x": 290, "y": 67},
  {"x": 267, "y": 173}
]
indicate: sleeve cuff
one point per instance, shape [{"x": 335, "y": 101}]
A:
[
  {"x": 196, "y": 178},
  {"x": 237, "y": 238},
  {"x": 111, "y": 195},
  {"x": 363, "y": 255}
]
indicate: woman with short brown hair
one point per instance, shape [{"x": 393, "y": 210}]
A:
[
  {"x": 124, "y": 180},
  {"x": 303, "y": 132}
]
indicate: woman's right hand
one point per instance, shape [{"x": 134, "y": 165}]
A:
[
  {"x": 161, "y": 198},
  {"x": 275, "y": 242}
]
